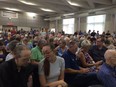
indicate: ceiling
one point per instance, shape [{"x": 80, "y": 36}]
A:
[{"x": 58, "y": 6}]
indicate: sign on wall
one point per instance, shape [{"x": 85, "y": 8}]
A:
[{"x": 9, "y": 14}]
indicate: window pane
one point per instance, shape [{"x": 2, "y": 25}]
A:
[
  {"x": 68, "y": 26},
  {"x": 90, "y": 27},
  {"x": 96, "y": 23},
  {"x": 99, "y": 27},
  {"x": 99, "y": 18},
  {"x": 90, "y": 19}
]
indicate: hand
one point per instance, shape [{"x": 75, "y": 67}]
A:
[
  {"x": 63, "y": 84},
  {"x": 98, "y": 63},
  {"x": 84, "y": 70}
]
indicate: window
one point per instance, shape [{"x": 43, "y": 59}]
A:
[
  {"x": 68, "y": 26},
  {"x": 96, "y": 23}
]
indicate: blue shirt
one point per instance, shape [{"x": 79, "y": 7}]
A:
[
  {"x": 96, "y": 53},
  {"x": 60, "y": 52},
  {"x": 107, "y": 75},
  {"x": 70, "y": 62}
]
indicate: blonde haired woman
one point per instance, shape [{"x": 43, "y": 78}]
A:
[{"x": 84, "y": 57}]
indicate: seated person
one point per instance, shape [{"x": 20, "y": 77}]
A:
[
  {"x": 37, "y": 55},
  {"x": 74, "y": 74},
  {"x": 11, "y": 46},
  {"x": 61, "y": 48},
  {"x": 51, "y": 69},
  {"x": 15, "y": 72},
  {"x": 97, "y": 51},
  {"x": 84, "y": 57},
  {"x": 3, "y": 52},
  {"x": 107, "y": 72}
]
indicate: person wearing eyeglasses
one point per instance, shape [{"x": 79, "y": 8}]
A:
[
  {"x": 15, "y": 72},
  {"x": 107, "y": 72}
]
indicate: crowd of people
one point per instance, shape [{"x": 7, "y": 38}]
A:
[{"x": 47, "y": 59}]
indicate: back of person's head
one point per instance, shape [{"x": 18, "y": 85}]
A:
[
  {"x": 12, "y": 45},
  {"x": 42, "y": 42}
]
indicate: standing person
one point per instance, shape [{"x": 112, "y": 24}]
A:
[
  {"x": 15, "y": 72},
  {"x": 51, "y": 69},
  {"x": 107, "y": 72}
]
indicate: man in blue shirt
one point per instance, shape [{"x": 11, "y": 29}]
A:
[
  {"x": 107, "y": 72},
  {"x": 97, "y": 51},
  {"x": 74, "y": 74}
]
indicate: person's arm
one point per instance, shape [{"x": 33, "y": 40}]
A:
[
  {"x": 83, "y": 60},
  {"x": 73, "y": 71},
  {"x": 108, "y": 80},
  {"x": 44, "y": 83},
  {"x": 42, "y": 80},
  {"x": 61, "y": 77}
]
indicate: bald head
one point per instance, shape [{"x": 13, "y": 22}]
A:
[
  {"x": 110, "y": 53},
  {"x": 110, "y": 56}
]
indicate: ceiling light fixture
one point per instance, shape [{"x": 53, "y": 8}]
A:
[
  {"x": 12, "y": 9},
  {"x": 73, "y": 3},
  {"x": 28, "y": 3},
  {"x": 31, "y": 14},
  {"x": 48, "y": 10}
]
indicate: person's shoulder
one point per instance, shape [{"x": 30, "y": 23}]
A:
[
  {"x": 34, "y": 49},
  {"x": 5, "y": 65},
  {"x": 59, "y": 58},
  {"x": 103, "y": 70}
]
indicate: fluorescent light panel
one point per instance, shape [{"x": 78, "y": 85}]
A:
[
  {"x": 31, "y": 14},
  {"x": 73, "y": 3},
  {"x": 48, "y": 10},
  {"x": 13, "y": 9},
  {"x": 28, "y": 3}
]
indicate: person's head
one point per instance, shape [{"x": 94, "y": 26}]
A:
[
  {"x": 22, "y": 55},
  {"x": 25, "y": 41},
  {"x": 99, "y": 42},
  {"x": 72, "y": 46},
  {"x": 85, "y": 45},
  {"x": 48, "y": 52},
  {"x": 1, "y": 45},
  {"x": 62, "y": 43},
  {"x": 41, "y": 43},
  {"x": 11, "y": 46},
  {"x": 49, "y": 56},
  {"x": 110, "y": 56}
]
